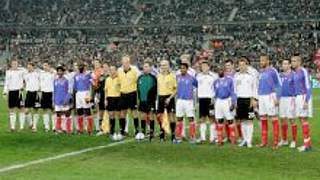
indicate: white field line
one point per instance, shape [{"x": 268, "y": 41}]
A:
[{"x": 61, "y": 156}]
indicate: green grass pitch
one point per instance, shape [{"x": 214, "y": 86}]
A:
[{"x": 146, "y": 160}]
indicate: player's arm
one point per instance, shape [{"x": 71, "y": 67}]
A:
[
  {"x": 233, "y": 95},
  {"x": 6, "y": 81},
  {"x": 277, "y": 83},
  {"x": 307, "y": 85}
]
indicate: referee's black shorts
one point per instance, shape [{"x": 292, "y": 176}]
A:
[
  {"x": 204, "y": 107},
  {"x": 14, "y": 99},
  {"x": 162, "y": 104},
  {"x": 243, "y": 109},
  {"x": 46, "y": 100},
  {"x": 147, "y": 107},
  {"x": 113, "y": 104},
  {"x": 128, "y": 101}
]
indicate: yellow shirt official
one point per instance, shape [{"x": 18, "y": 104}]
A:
[
  {"x": 112, "y": 87},
  {"x": 128, "y": 80},
  {"x": 167, "y": 84}
]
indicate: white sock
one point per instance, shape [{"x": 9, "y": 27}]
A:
[
  {"x": 29, "y": 119},
  {"x": 96, "y": 122},
  {"x": 244, "y": 130},
  {"x": 53, "y": 120},
  {"x": 213, "y": 132},
  {"x": 249, "y": 131},
  {"x": 35, "y": 121},
  {"x": 12, "y": 119},
  {"x": 127, "y": 124},
  {"x": 203, "y": 129},
  {"x": 46, "y": 121},
  {"x": 63, "y": 123},
  {"x": 22, "y": 119},
  {"x": 183, "y": 133}
]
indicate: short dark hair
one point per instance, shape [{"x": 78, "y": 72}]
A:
[
  {"x": 184, "y": 64},
  {"x": 228, "y": 61},
  {"x": 286, "y": 59},
  {"x": 60, "y": 67}
]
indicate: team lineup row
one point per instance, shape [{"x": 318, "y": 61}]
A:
[{"x": 228, "y": 99}]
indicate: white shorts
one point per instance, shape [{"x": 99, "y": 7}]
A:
[
  {"x": 61, "y": 108},
  {"x": 81, "y": 100},
  {"x": 222, "y": 109},
  {"x": 287, "y": 107},
  {"x": 267, "y": 105},
  {"x": 184, "y": 108},
  {"x": 300, "y": 112}
]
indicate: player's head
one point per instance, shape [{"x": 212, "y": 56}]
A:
[
  {"x": 81, "y": 67},
  {"x": 14, "y": 63},
  {"x": 296, "y": 61},
  {"x": 205, "y": 66},
  {"x": 184, "y": 68},
  {"x": 105, "y": 68},
  {"x": 164, "y": 66},
  {"x": 113, "y": 70},
  {"x": 97, "y": 63},
  {"x": 30, "y": 66},
  {"x": 147, "y": 67},
  {"x": 46, "y": 66},
  {"x": 264, "y": 60},
  {"x": 220, "y": 71},
  {"x": 243, "y": 63},
  {"x": 60, "y": 70},
  {"x": 228, "y": 65},
  {"x": 125, "y": 62},
  {"x": 286, "y": 65}
]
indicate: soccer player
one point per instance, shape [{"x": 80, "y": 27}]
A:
[
  {"x": 185, "y": 105},
  {"x": 167, "y": 87},
  {"x": 303, "y": 99},
  {"x": 225, "y": 103},
  {"x": 268, "y": 97},
  {"x": 32, "y": 87},
  {"x": 287, "y": 104},
  {"x": 112, "y": 99},
  {"x": 128, "y": 77},
  {"x": 205, "y": 80},
  {"x": 82, "y": 88},
  {"x": 13, "y": 87},
  {"x": 246, "y": 90},
  {"x": 147, "y": 96},
  {"x": 46, "y": 88},
  {"x": 61, "y": 99}
]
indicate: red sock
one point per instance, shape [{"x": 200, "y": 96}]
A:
[
  {"x": 80, "y": 124},
  {"x": 90, "y": 124},
  {"x": 68, "y": 124},
  {"x": 294, "y": 130},
  {"x": 227, "y": 130},
  {"x": 306, "y": 133},
  {"x": 220, "y": 133},
  {"x": 264, "y": 130},
  {"x": 232, "y": 132},
  {"x": 179, "y": 129},
  {"x": 284, "y": 130},
  {"x": 192, "y": 130},
  {"x": 58, "y": 123},
  {"x": 239, "y": 130},
  {"x": 275, "y": 124}
]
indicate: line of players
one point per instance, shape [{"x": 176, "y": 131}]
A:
[{"x": 228, "y": 100}]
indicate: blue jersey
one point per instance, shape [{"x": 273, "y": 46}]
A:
[
  {"x": 224, "y": 88},
  {"x": 61, "y": 91},
  {"x": 82, "y": 82},
  {"x": 269, "y": 82},
  {"x": 302, "y": 83},
  {"x": 185, "y": 85},
  {"x": 287, "y": 81}
]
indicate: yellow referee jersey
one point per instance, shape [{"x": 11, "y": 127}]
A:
[
  {"x": 167, "y": 84},
  {"x": 112, "y": 87},
  {"x": 128, "y": 80}
]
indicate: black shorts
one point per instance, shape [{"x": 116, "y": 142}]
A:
[
  {"x": 14, "y": 99},
  {"x": 161, "y": 104},
  {"x": 243, "y": 109},
  {"x": 128, "y": 101},
  {"x": 113, "y": 104},
  {"x": 147, "y": 107},
  {"x": 31, "y": 99},
  {"x": 102, "y": 105},
  {"x": 46, "y": 100},
  {"x": 204, "y": 107}
]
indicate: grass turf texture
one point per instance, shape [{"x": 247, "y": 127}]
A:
[{"x": 153, "y": 160}]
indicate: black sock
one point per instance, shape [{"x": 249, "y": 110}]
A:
[
  {"x": 136, "y": 125},
  {"x": 100, "y": 123},
  {"x": 151, "y": 126},
  {"x": 143, "y": 126},
  {"x": 122, "y": 122},
  {"x": 112, "y": 124},
  {"x": 173, "y": 130}
]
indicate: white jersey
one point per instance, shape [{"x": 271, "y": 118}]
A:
[
  {"x": 13, "y": 80},
  {"x": 205, "y": 84},
  {"x": 245, "y": 85},
  {"x": 46, "y": 81},
  {"x": 32, "y": 80},
  {"x": 70, "y": 77}
]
